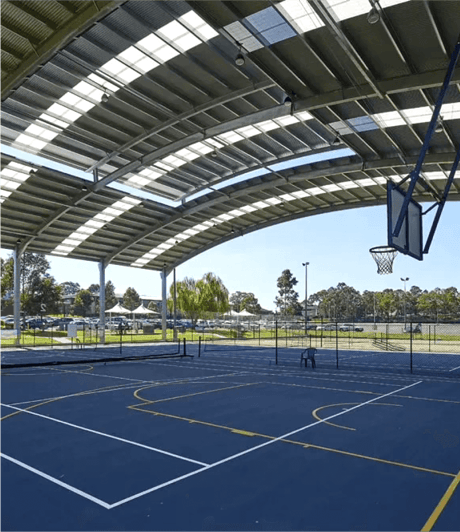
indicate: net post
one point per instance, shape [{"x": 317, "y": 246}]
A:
[
  {"x": 199, "y": 346},
  {"x": 336, "y": 345},
  {"x": 185, "y": 347},
  {"x": 411, "y": 334},
  {"x": 276, "y": 342}
]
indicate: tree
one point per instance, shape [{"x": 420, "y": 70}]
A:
[
  {"x": 245, "y": 301},
  {"x": 7, "y": 275},
  {"x": 94, "y": 288},
  {"x": 251, "y": 304},
  {"x": 70, "y": 288},
  {"x": 131, "y": 299},
  {"x": 82, "y": 303},
  {"x": 287, "y": 301},
  {"x": 110, "y": 297},
  {"x": 197, "y": 298}
]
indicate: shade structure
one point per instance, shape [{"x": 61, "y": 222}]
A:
[
  {"x": 144, "y": 310},
  {"x": 245, "y": 313},
  {"x": 118, "y": 309},
  {"x": 233, "y": 313}
]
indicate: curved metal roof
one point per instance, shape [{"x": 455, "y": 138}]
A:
[{"x": 148, "y": 97}]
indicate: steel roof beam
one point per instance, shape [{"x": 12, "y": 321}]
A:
[{"x": 64, "y": 35}]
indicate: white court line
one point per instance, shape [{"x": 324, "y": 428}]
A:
[
  {"x": 121, "y": 387},
  {"x": 106, "y": 435},
  {"x": 247, "y": 451},
  {"x": 56, "y": 481}
]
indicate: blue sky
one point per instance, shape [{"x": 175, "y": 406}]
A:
[{"x": 335, "y": 244}]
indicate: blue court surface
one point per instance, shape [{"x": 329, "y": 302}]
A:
[{"x": 228, "y": 441}]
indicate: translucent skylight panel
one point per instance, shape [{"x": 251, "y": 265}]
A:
[
  {"x": 76, "y": 235},
  {"x": 173, "y": 160},
  {"x": 345, "y": 9},
  {"x": 165, "y": 53},
  {"x": 248, "y": 208},
  {"x": 39, "y": 131},
  {"x": 215, "y": 143},
  {"x": 238, "y": 31},
  {"x": 198, "y": 25},
  {"x": 111, "y": 211},
  {"x": 183, "y": 236},
  {"x": 165, "y": 246},
  {"x": 300, "y": 14},
  {"x": 268, "y": 125},
  {"x": 273, "y": 201},
  {"x": 341, "y": 128},
  {"x": 431, "y": 176},
  {"x": 235, "y": 213},
  {"x": 48, "y": 118},
  {"x": 259, "y": 205},
  {"x": 314, "y": 191},
  {"x": 146, "y": 64},
  {"x": 101, "y": 82},
  {"x": 388, "y": 3},
  {"x": 87, "y": 230},
  {"x": 151, "y": 43},
  {"x": 287, "y": 197},
  {"x": 105, "y": 217},
  {"x": 362, "y": 123},
  {"x": 265, "y": 19},
  {"x": 389, "y": 119},
  {"x": 279, "y": 33},
  {"x": 10, "y": 185},
  {"x": 248, "y": 131},
  {"x": 251, "y": 44},
  {"x": 187, "y": 154},
  {"x": 365, "y": 182},
  {"x": 302, "y": 194},
  {"x": 163, "y": 166},
  {"x": 230, "y": 137},
  {"x": 5, "y": 193},
  {"x": 225, "y": 217},
  {"x": 187, "y": 42},
  {"x": 243, "y": 36},
  {"x": 451, "y": 111},
  {"x": 331, "y": 188},
  {"x": 304, "y": 116},
  {"x": 128, "y": 75},
  {"x": 151, "y": 174},
  {"x": 138, "y": 181},
  {"x": 30, "y": 142},
  {"x": 114, "y": 66},
  {"x": 348, "y": 184},
  {"x": 191, "y": 232},
  {"x": 201, "y": 148},
  {"x": 418, "y": 115},
  {"x": 131, "y": 55},
  {"x": 70, "y": 242},
  {"x": 172, "y": 31},
  {"x": 286, "y": 120}
]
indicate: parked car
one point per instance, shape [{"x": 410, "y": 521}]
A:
[
  {"x": 415, "y": 329},
  {"x": 350, "y": 327},
  {"x": 327, "y": 327}
]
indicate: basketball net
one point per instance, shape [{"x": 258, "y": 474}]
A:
[{"x": 384, "y": 257}]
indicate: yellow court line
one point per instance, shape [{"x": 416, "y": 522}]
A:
[
  {"x": 441, "y": 504},
  {"x": 294, "y": 442},
  {"x": 147, "y": 402},
  {"x": 315, "y": 415},
  {"x": 86, "y": 392}
]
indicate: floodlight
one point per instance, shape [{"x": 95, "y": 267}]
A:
[
  {"x": 373, "y": 16},
  {"x": 239, "y": 60}
]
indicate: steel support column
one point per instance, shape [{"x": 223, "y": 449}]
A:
[
  {"x": 163, "y": 303},
  {"x": 102, "y": 301},
  {"x": 17, "y": 292}
]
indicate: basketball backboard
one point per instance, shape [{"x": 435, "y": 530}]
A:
[{"x": 410, "y": 240}]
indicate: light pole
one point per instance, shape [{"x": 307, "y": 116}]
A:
[
  {"x": 306, "y": 294},
  {"x": 404, "y": 280}
]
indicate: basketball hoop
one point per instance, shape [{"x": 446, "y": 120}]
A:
[{"x": 384, "y": 257}]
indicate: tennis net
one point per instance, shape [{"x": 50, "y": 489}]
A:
[{"x": 21, "y": 358}]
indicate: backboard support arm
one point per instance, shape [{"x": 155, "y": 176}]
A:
[
  {"x": 414, "y": 174},
  {"x": 441, "y": 204}
]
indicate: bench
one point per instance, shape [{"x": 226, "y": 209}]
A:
[{"x": 308, "y": 354}]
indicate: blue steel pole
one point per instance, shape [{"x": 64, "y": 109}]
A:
[{"x": 416, "y": 171}]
